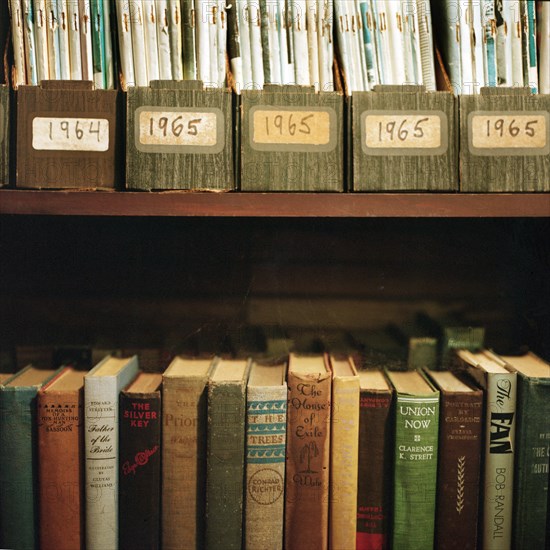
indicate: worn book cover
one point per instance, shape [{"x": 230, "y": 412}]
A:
[
  {"x": 18, "y": 459},
  {"x": 308, "y": 453},
  {"x": 375, "y": 461},
  {"x": 61, "y": 461},
  {"x": 225, "y": 448},
  {"x": 266, "y": 408},
  {"x": 344, "y": 453},
  {"x": 415, "y": 467},
  {"x": 499, "y": 385},
  {"x": 184, "y": 389},
  {"x": 139, "y": 464},
  {"x": 458, "y": 472},
  {"x": 532, "y": 451},
  {"x": 102, "y": 386}
]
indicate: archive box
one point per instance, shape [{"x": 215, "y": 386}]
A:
[
  {"x": 179, "y": 135},
  {"x": 404, "y": 138},
  {"x": 505, "y": 141},
  {"x": 292, "y": 139},
  {"x": 66, "y": 136}
]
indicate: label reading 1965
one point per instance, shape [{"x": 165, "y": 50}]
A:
[
  {"x": 509, "y": 133},
  {"x": 293, "y": 129},
  {"x": 70, "y": 134},
  {"x": 404, "y": 132},
  {"x": 179, "y": 130}
]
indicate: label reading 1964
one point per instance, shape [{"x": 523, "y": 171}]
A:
[
  {"x": 293, "y": 129},
  {"x": 179, "y": 130},
  {"x": 509, "y": 133},
  {"x": 70, "y": 134},
  {"x": 404, "y": 132}
]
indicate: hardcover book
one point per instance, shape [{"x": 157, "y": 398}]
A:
[
  {"x": 499, "y": 385},
  {"x": 307, "y": 456},
  {"x": 225, "y": 454},
  {"x": 61, "y": 461},
  {"x": 375, "y": 461},
  {"x": 184, "y": 452},
  {"x": 415, "y": 469},
  {"x": 532, "y": 451},
  {"x": 18, "y": 459},
  {"x": 139, "y": 464},
  {"x": 102, "y": 386},
  {"x": 458, "y": 473},
  {"x": 265, "y": 456},
  {"x": 344, "y": 453}
]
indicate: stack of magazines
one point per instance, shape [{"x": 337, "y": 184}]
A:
[
  {"x": 385, "y": 42},
  {"x": 495, "y": 43}
]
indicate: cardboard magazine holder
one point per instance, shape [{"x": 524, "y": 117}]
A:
[
  {"x": 179, "y": 136},
  {"x": 404, "y": 138},
  {"x": 291, "y": 139},
  {"x": 66, "y": 136},
  {"x": 505, "y": 141}
]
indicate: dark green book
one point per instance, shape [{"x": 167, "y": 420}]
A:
[
  {"x": 18, "y": 459},
  {"x": 415, "y": 469},
  {"x": 225, "y": 455},
  {"x": 532, "y": 451}
]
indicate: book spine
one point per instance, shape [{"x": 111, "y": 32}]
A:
[
  {"x": 183, "y": 459},
  {"x": 61, "y": 470},
  {"x": 416, "y": 439},
  {"x": 40, "y": 28},
  {"x": 18, "y": 469},
  {"x": 344, "y": 462},
  {"x": 63, "y": 26},
  {"x": 532, "y": 463},
  {"x": 307, "y": 463},
  {"x": 189, "y": 41},
  {"x": 124, "y": 27},
  {"x": 18, "y": 41},
  {"x": 375, "y": 463},
  {"x": 265, "y": 467},
  {"x": 500, "y": 427},
  {"x": 460, "y": 447},
  {"x": 74, "y": 40},
  {"x": 163, "y": 38},
  {"x": 225, "y": 466},
  {"x": 139, "y": 471},
  {"x": 30, "y": 42}
]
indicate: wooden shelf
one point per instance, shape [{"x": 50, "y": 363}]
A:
[{"x": 318, "y": 205}]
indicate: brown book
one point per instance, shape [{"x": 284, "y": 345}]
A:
[
  {"x": 308, "y": 453},
  {"x": 61, "y": 461},
  {"x": 460, "y": 447}
]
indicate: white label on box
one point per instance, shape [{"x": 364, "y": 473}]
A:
[
  {"x": 293, "y": 129},
  {"x": 509, "y": 133},
  {"x": 404, "y": 132},
  {"x": 70, "y": 134}
]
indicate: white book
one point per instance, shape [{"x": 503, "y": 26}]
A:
[
  {"x": 256, "y": 50},
  {"x": 64, "y": 48},
  {"x": 544, "y": 64},
  {"x": 352, "y": 45},
  {"x": 358, "y": 36},
  {"x": 479, "y": 57},
  {"x": 41, "y": 40},
  {"x": 203, "y": 39},
  {"x": 507, "y": 32},
  {"x": 513, "y": 7},
  {"x": 313, "y": 43},
  {"x": 396, "y": 40},
  {"x": 221, "y": 31},
  {"x": 383, "y": 46},
  {"x": 151, "y": 42},
  {"x": 18, "y": 41},
  {"x": 325, "y": 37},
  {"x": 109, "y": 76},
  {"x": 102, "y": 386},
  {"x": 425, "y": 34},
  {"x": 74, "y": 40},
  {"x": 53, "y": 40},
  {"x": 30, "y": 42},
  {"x": 503, "y": 44},
  {"x": 138, "y": 44},
  {"x": 343, "y": 46},
  {"x": 163, "y": 40},
  {"x": 413, "y": 56},
  {"x": 274, "y": 45},
  {"x": 299, "y": 35},
  {"x": 213, "y": 43},
  {"x": 86, "y": 40},
  {"x": 467, "y": 49},
  {"x": 176, "y": 37},
  {"x": 489, "y": 42}
]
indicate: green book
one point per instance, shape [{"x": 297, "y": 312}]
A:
[
  {"x": 225, "y": 455},
  {"x": 415, "y": 469},
  {"x": 532, "y": 451},
  {"x": 18, "y": 459}
]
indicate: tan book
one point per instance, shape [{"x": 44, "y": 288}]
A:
[
  {"x": 344, "y": 454},
  {"x": 183, "y": 452},
  {"x": 308, "y": 448}
]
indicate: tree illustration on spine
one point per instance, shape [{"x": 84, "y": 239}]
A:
[{"x": 309, "y": 451}]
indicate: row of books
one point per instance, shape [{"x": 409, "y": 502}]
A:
[
  {"x": 310, "y": 453},
  {"x": 485, "y": 43}
]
